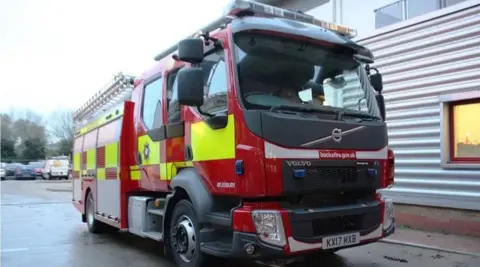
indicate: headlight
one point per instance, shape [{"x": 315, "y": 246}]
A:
[
  {"x": 269, "y": 227},
  {"x": 388, "y": 214}
]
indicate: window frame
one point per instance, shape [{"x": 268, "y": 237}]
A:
[
  {"x": 405, "y": 10},
  {"x": 151, "y": 80},
  {"x": 225, "y": 61},
  {"x": 451, "y": 106},
  {"x": 447, "y": 103}
]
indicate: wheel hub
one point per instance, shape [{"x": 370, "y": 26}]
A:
[{"x": 184, "y": 239}]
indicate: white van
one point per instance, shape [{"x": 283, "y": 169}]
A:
[{"x": 56, "y": 168}]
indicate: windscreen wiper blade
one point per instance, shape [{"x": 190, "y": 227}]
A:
[
  {"x": 303, "y": 109},
  {"x": 361, "y": 116}
]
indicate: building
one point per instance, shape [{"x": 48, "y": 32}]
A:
[{"x": 429, "y": 54}]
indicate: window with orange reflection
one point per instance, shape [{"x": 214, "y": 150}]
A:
[{"x": 465, "y": 131}]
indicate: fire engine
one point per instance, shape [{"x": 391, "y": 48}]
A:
[{"x": 260, "y": 137}]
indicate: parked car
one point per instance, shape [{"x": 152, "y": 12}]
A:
[
  {"x": 38, "y": 167},
  {"x": 27, "y": 172},
  {"x": 3, "y": 171},
  {"x": 13, "y": 169}
]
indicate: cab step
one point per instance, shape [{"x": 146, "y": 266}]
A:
[
  {"x": 145, "y": 216},
  {"x": 154, "y": 235},
  {"x": 157, "y": 212}
]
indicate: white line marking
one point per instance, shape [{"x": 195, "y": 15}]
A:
[{"x": 13, "y": 250}]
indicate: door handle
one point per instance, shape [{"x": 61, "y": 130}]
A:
[
  {"x": 139, "y": 158},
  {"x": 188, "y": 153}
]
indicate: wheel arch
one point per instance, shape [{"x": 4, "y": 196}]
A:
[{"x": 187, "y": 184}]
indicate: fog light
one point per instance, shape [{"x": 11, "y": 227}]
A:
[
  {"x": 250, "y": 249},
  {"x": 388, "y": 214},
  {"x": 269, "y": 226}
]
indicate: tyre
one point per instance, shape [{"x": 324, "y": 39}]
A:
[
  {"x": 94, "y": 226},
  {"x": 184, "y": 230}
]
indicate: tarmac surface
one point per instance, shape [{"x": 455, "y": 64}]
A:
[{"x": 41, "y": 228}]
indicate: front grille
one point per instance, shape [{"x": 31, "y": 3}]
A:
[
  {"x": 337, "y": 176},
  {"x": 333, "y": 178}
]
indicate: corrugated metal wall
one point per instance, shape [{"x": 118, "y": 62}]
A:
[{"x": 419, "y": 63}]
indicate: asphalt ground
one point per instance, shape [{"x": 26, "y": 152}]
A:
[{"x": 41, "y": 228}]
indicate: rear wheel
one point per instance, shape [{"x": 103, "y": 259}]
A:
[
  {"x": 184, "y": 231},
  {"x": 94, "y": 226}
]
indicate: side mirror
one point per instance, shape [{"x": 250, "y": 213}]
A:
[
  {"x": 191, "y": 50},
  {"x": 190, "y": 86},
  {"x": 376, "y": 82},
  {"x": 381, "y": 105}
]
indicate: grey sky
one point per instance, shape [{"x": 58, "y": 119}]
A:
[{"x": 58, "y": 53}]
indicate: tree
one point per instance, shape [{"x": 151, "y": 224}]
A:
[
  {"x": 62, "y": 129},
  {"x": 33, "y": 149},
  {"x": 21, "y": 125},
  {"x": 6, "y": 124},
  {"x": 7, "y": 147},
  {"x": 7, "y": 142},
  {"x": 28, "y": 130}
]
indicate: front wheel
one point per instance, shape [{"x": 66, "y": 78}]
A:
[
  {"x": 94, "y": 226},
  {"x": 184, "y": 231}
]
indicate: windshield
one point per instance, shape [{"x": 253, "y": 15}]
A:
[{"x": 276, "y": 71}]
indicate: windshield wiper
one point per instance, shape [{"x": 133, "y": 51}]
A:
[
  {"x": 302, "y": 109},
  {"x": 360, "y": 116}
]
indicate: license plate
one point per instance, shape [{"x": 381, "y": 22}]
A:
[{"x": 341, "y": 240}]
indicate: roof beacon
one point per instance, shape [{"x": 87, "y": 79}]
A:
[{"x": 238, "y": 8}]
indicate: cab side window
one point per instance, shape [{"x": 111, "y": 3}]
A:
[
  {"x": 152, "y": 104},
  {"x": 173, "y": 105},
  {"x": 215, "y": 88}
]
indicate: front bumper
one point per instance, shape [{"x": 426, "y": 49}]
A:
[
  {"x": 300, "y": 233},
  {"x": 306, "y": 228}
]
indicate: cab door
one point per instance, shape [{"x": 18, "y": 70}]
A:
[
  {"x": 212, "y": 147},
  {"x": 151, "y": 133}
]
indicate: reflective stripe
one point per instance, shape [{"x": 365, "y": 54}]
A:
[
  {"x": 76, "y": 161},
  {"x": 100, "y": 121},
  {"x": 91, "y": 159},
  {"x": 111, "y": 155},
  {"x": 153, "y": 150},
  {"x": 135, "y": 174},
  {"x": 101, "y": 175},
  {"x": 210, "y": 144},
  {"x": 170, "y": 169},
  {"x": 134, "y": 167}
]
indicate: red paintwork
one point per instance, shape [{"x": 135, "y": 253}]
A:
[
  {"x": 262, "y": 177},
  {"x": 127, "y": 154},
  {"x": 100, "y": 157},
  {"x": 451, "y": 125}
]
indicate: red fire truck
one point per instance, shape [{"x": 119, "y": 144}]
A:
[{"x": 260, "y": 137}]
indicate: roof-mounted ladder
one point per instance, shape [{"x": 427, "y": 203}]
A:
[{"x": 114, "y": 92}]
